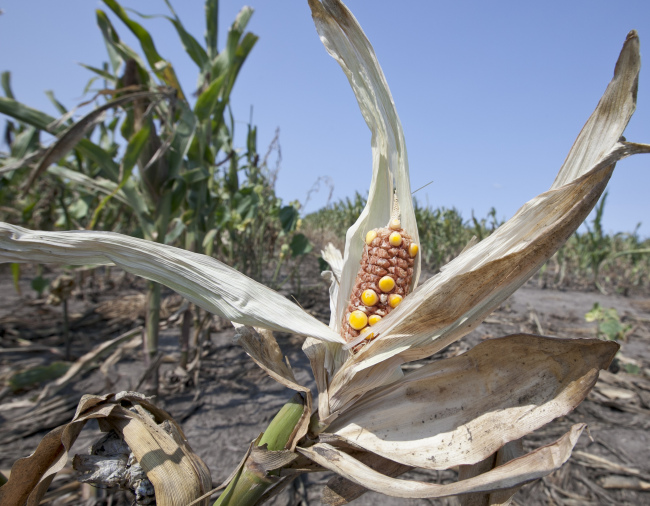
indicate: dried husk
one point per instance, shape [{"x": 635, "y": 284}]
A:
[
  {"x": 463, "y": 409},
  {"x": 339, "y": 490},
  {"x": 531, "y": 466},
  {"x": 179, "y": 476}
]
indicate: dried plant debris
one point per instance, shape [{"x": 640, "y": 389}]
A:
[
  {"x": 154, "y": 441},
  {"x": 111, "y": 463}
]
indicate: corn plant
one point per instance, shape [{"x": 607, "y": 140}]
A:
[
  {"x": 471, "y": 410},
  {"x": 192, "y": 185}
]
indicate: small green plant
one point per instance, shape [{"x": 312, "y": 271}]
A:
[{"x": 609, "y": 323}]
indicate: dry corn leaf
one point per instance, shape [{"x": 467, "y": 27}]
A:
[
  {"x": 177, "y": 473},
  {"x": 203, "y": 280},
  {"x": 339, "y": 490},
  {"x": 508, "y": 452},
  {"x": 531, "y": 466},
  {"x": 463, "y": 409}
]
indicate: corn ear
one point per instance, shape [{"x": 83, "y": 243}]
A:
[{"x": 383, "y": 279}]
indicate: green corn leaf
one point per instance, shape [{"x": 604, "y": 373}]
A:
[
  {"x": 212, "y": 27},
  {"x": 78, "y": 131},
  {"x": 198, "y": 175},
  {"x": 100, "y": 157},
  {"x": 184, "y": 131},
  {"x": 159, "y": 65},
  {"x": 207, "y": 101},
  {"x": 133, "y": 150},
  {"x": 25, "y": 142},
  {"x": 59, "y": 106},
  {"x": 179, "y": 190},
  {"x": 26, "y": 114},
  {"x": 131, "y": 192},
  {"x": 177, "y": 227},
  {"x": 91, "y": 185},
  {"x": 118, "y": 51},
  {"x": 102, "y": 73},
  {"x": 5, "y": 80},
  {"x": 111, "y": 39},
  {"x": 191, "y": 45},
  {"x": 15, "y": 275},
  {"x": 224, "y": 60},
  {"x": 208, "y": 241}
]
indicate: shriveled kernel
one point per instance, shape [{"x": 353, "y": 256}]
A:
[
  {"x": 358, "y": 320},
  {"x": 386, "y": 284},
  {"x": 395, "y": 239},
  {"x": 413, "y": 249},
  {"x": 395, "y": 224},
  {"x": 394, "y": 300},
  {"x": 369, "y": 297},
  {"x": 370, "y": 236},
  {"x": 374, "y": 319}
]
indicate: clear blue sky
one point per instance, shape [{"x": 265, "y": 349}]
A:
[{"x": 491, "y": 94}]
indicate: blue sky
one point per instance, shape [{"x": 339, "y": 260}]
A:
[{"x": 491, "y": 95}]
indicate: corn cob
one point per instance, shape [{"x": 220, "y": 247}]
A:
[{"x": 383, "y": 279}]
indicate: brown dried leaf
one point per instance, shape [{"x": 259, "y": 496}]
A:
[
  {"x": 532, "y": 466},
  {"x": 463, "y": 409},
  {"x": 339, "y": 490},
  {"x": 177, "y": 473}
]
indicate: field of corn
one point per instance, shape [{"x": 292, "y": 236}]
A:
[{"x": 140, "y": 329}]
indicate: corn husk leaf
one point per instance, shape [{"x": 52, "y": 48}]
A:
[
  {"x": 339, "y": 490},
  {"x": 508, "y": 452},
  {"x": 345, "y": 41},
  {"x": 469, "y": 288},
  {"x": 177, "y": 473},
  {"x": 463, "y": 409},
  {"x": 531, "y": 466},
  {"x": 203, "y": 280}
]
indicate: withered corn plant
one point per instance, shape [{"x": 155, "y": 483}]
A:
[{"x": 373, "y": 421}]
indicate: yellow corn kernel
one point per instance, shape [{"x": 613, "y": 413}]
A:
[
  {"x": 370, "y": 236},
  {"x": 413, "y": 249},
  {"x": 367, "y": 334},
  {"x": 369, "y": 297},
  {"x": 394, "y": 300},
  {"x": 395, "y": 239},
  {"x": 358, "y": 320},
  {"x": 386, "y": 284},
  {"x": 374, "y": 319},
  {"x": 395, "y": 224}
]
